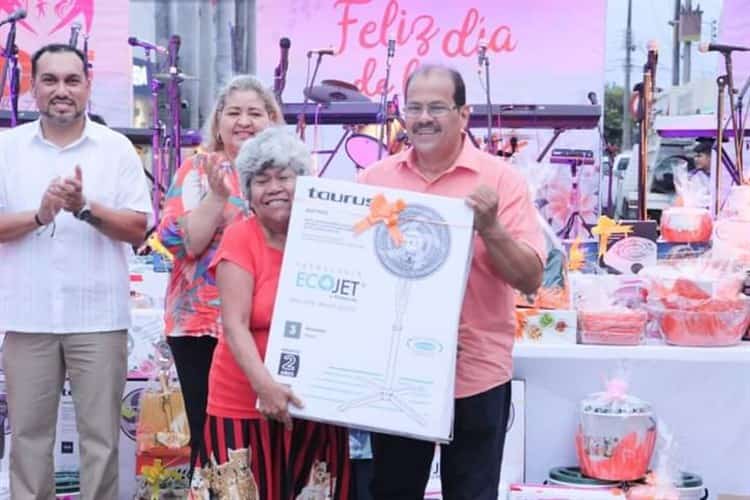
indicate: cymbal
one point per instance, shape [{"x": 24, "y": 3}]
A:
[
  {"x": 333, "y": 93},
  {"x": 341, "y": 83},
  {"x": 181, "y": 76}
]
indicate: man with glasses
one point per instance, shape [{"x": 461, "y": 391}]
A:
[
  {"x": 73, "y": 197},
  {"x": 508, "y": 253}
]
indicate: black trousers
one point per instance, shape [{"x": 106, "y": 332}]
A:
[
  {"x": 192, "y": 357},
  {"x": 469, "y": 465}
]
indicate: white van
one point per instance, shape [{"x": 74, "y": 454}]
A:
[{"x": 667, "y": 154}]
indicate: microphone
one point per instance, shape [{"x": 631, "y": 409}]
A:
[
  {"x": 173, "y": 50},
  {"x": 281, "y": 69},
  {"x": 653, "y": 53},
  {"x": 75, "y": 28},
  {"x": 322, "y": 52},
  {"x": 482, "y": 53},
  {"x": 391, "y": 45},
  {"x": 17, "y": 15},
  {"x": 651, "y": 61},
  {"x": 720, "y": 47},
  {"x": 133, "y": 41},
  {"x": 592, "y": 98}
]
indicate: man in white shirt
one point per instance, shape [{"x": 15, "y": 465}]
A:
[
  {"x": 73, "y": 198},
  {"x": 697, "y": 192}
]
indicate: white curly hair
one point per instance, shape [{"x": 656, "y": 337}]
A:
[{"x": 274, "y": 147}]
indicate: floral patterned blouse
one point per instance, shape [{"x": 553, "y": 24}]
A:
[{"x": 192, "y": 299}]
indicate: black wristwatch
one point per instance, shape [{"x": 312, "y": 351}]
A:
[{"x": 84, "y": 213}]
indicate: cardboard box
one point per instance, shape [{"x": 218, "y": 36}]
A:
[
  {"x": 513, "y": 469},
  {"x": 148, "y": 288},
  {"x": 364, "y": 329},
  {"x": 147, "y": 329},
  {"x": 535, "y": 326}
]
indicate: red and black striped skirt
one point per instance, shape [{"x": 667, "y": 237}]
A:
[{"x": 312, "y": 458}]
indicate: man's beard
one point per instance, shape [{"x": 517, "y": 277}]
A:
[{"x": 62, "y": 120}]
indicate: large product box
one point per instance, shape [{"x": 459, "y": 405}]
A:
[{"x": 366, "y": 317}]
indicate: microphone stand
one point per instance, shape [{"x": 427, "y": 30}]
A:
[
  {"x": 721, "y": 83},
  {"x": 741, "y": 117},
  {"x": 157, "y": 138},
  {"x": 737, "y": 145},
  {"x": 486, "y": 62},
  {"x": 175, "y": 106},
  {"x": 646, "y": 96},
  {"x": 383, "y": 114},
  {"x": 87, "y": 64},
  {"x": 10, "y": 53},
  {"x": 301, "y": 116}
]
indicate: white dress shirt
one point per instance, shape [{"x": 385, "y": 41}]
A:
[{"x": 77, "y": 280}]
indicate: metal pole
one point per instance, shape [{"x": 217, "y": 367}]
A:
[
  {"x": 627, "y": 140},
  {"x": 383, "y": 114},
  {"x": 10, "y": 52},
  {"x": 686, "y": 50},
  {"x": 157, "y": 160},
  {"x": 676, "y": 44},
  {"x": 643, "y": 143},
  {"x": 490, "y": 147},
  {"x": 735, "y": 125},
  {"x": 721, "y": 83},
  {"x": 175, "y": 107}
]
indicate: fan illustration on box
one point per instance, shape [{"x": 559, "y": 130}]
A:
[{"x": 420, "y": 246}]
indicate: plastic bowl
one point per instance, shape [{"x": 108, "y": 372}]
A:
[
  {"x": 686, "y": 225},
  {"x": 723, "y": 326},
  {"x": 612, "y": 327}
]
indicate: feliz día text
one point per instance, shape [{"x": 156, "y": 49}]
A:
[{"x": 422, "y": 29}]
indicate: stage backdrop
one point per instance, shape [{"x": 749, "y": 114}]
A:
[
  {"x": 734, "y": 29},
  {"x": 107, "y": 24},
  {"x": 540, "y": 52}
]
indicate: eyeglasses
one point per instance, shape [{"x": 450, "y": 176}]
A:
[{"x": 435, "y": 110}]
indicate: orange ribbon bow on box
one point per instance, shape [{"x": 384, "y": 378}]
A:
[{"x": 387, "y": 213}]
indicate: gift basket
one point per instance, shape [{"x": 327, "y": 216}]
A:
[
  {"x": 698, "y": 302},
  {"x": 162, "y": 423},
  {"x": 730, "y": 240},
  {"x": 690, "y": 220},
  {"x": 616, "y": 435},
  {"x": 609, "y": 309}
]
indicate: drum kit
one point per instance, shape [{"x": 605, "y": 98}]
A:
[{"x": 363, "y": 145}]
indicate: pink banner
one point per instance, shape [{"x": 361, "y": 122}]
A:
[
  {"x": 539, "y": 50},
  {"x": 734, "y": 28},
  {"x": 106, "y": 22}
]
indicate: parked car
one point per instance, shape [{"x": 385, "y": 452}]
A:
[{"x": 620, "y": 163}]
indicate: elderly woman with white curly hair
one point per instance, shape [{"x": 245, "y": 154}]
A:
[{"x": 288, "y": 458}]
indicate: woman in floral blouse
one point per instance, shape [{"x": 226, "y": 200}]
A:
[{"x": 204, "y": 197}]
